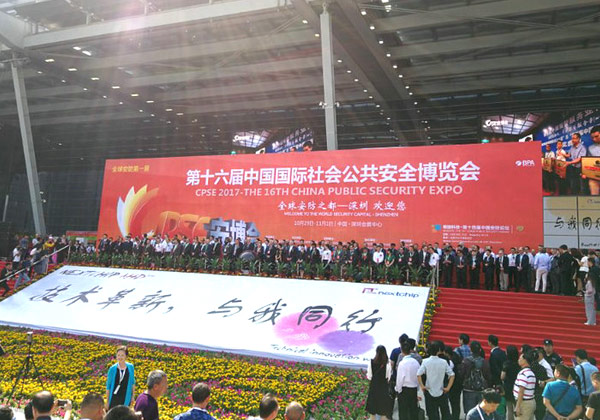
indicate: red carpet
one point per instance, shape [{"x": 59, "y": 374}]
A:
[{"x": 516, "y": 318}]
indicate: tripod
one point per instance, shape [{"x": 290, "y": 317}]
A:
[{"x": 26, "y": 367}]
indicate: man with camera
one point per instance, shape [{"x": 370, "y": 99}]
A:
[{"x": 44, "y": 405}]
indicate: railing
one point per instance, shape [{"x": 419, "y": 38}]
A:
[{"x": 43, "y": 259}]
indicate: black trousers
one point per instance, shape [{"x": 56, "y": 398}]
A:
[
  {"x": 436, "y": 405},
  {"x": 454, "y": 397},
  {"x": 522, "y": 279},
  {"x": 489, "y": 279},
  {"x": 474, "y": 278},
  {"x": 461, "y": 278},
  {"x": 512, "y": 275},
  {"x": 447, "y": 276},
  {"x": 408, "y": 404}
]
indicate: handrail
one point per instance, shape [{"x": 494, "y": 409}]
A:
[{"x": 5, "y": 279}]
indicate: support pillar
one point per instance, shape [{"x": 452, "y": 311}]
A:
[
  {"x": 328, "y": 79},
  {"x": 28, "y": 149}
]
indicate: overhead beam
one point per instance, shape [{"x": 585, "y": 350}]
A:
[
  {"x": 233, "y": 70},
  {"x": 123, "y": 27},
  {"x": 491, "y": 84},
  {"x": 427, "y": 18},
  {"x": 79, "y": 119},
  {"x": 221, "y": 92},
  {"x": 182, "y": 53},
  {"x": 521, "y": 38},
  {"x": 447, "y": 69}
]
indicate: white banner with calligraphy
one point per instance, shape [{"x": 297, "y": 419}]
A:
[{"x": 317, "y": 321}]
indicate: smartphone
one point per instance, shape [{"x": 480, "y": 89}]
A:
[{"x": 62, "y": 403}]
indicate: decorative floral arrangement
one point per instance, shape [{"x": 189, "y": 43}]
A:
[
  {"x": 430, "y": 310},
  {"x": 71, "y": 366}
]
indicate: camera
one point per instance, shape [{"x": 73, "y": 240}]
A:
[
  {"x": 30, "y": 337},
  {"x": 62, "y": 403}
]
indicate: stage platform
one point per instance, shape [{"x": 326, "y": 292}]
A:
[{"x": 327, "y": 322}]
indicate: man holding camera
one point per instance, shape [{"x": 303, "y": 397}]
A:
[{"x": 44, "y": 405}]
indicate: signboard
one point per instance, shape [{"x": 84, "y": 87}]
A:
[
  {"x": 317, "y": 321},
  {"x": 548, "y": 164},
  {"x": 441, "y": 193},
  {"x": 573, "y": 221},
  {"x": 82, "y": 236}
]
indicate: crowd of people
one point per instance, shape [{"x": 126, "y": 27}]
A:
[
  {"x": 121, "y": 402},
  {"x": 30, "y": 256},
  {"x": 573, "y": 182},
  {"x": 526, "y": 383}
]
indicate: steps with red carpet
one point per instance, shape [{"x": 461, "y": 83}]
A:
[{"x": 516, "y": 318}]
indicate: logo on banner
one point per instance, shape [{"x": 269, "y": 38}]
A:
[{"x": 525, "y": 163}]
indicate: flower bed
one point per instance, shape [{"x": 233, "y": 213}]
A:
[{"x": 71, "y": 366}]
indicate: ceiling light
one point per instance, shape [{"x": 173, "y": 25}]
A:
[
  {"x": 85, "y": 88},
  {"x": 305, "y": 21},
  {"x": 168, "y": 109},
  {"x": 77, "y": 48},
  {"x": 388, "y": 55},
  {"x": 180, "y": 113},
  {"x": 152, "y": 115},
  {"x": 363, "y": 12},
  {"x": 410, "y": 93},
  {"x": 105, "y": 97},
  {"x": 381, "y": 42},
  {"x": 348, "y": 71},
  {"x": 40, "y": 72},
  {"x": 407, "y": 87},
  {"x": 356, "y": 80},
  {"x": 377, "y": 106},
  {"x": 340, "y": 60},
  {"x": 135, "y": 94},
  {"x": 116, "y": 87},
  {"x": 141, "y": 110},
  {"x": 416, "y": 103},
  {"x": 88, "y": 53},
  {"x": 49, "y": 60},
  {"x": 401, "y": 76},
  {"x": 72, "y": 69},
  {"x": 395, "y": 66},
  {"x": 317, "y": 35},
  {"x": 64, "y": 81},
  {"x": 370, "y": 97},
  {"x": 365, "y": 90},
  {"x": 372, "y": 27},
  {"x": 385, "y": 1},
  {"x": 94, "y": 78},
  {"x": 120, "y": 103},
  {"x": 149, "y": 102}
]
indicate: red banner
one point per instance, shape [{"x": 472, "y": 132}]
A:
[{"x": 486, "y": 194}]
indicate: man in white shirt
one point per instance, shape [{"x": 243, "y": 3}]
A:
[
  {"x": 436, "y": 395},
  {"x": 549, "y": 154},
  {"x": 407, "y": 384},
  {"x": 434, "y": 259},
  {"x": 378, "y": 255}
]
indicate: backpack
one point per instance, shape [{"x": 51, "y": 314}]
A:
[{"x": 475, "y": 380}]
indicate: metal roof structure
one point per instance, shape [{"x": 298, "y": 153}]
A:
[{"x": 127, "y": 78}]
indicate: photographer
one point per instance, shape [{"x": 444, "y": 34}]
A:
[{"x": 44, "y": 405}]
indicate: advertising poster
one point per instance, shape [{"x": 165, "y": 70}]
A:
[{"x": 487, "y": 194}]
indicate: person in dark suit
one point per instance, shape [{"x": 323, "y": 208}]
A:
[
  {"x": 497, "y": 359},
  {"x": 461, "y": 269},
  {"x": 522, "y": 264},
  {"x": 502, "y": 270},
  {"x": 488, "y": 269},
  {"x": 567, "y": 266},
  {"x": 238, "y": 248},
  {"x": 474, "y": 263},
  {"x": 447, "y": 267}
]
